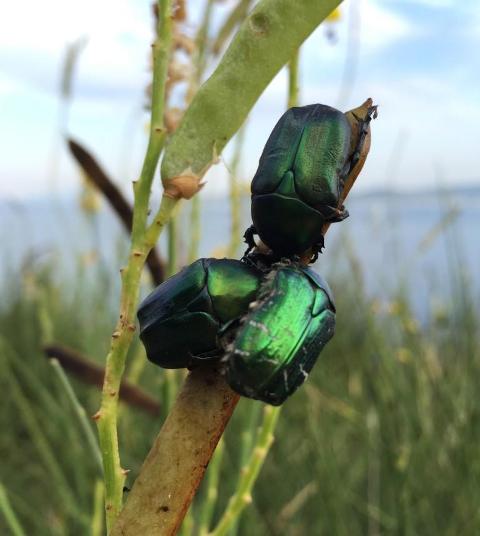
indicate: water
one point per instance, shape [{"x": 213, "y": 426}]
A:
[{"x": 421, "y": 243}]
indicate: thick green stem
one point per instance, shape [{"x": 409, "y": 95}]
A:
[
  {"x": 242, "y": 496},
  {"x": 264, "y": 43},
  {"x": 142, "y": 241}
]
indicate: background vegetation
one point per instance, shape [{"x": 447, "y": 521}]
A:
[{"x": 383, "y": 439}]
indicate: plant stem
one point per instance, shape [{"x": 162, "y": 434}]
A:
[
  {"x": 293, "y": 80},
  {"x": 242, "y": 496},
  {"x": 201, "y": 41},
  {"x": 174, "y": 467},
  {"x": 247, "y": 438},
  {"x": 195, "y": 223},
  {"x": 235, "y": 198},
  {"x": 87, "y": 371},
  {"x": 213, "y": 476},
  {"x": 97, "y": 514},
  {"x": 79, "y": 412},
  {"x": 115, "y": 198},
  {"x": 172, "y": 246},
  {"x": 188, "y": 524},
  {"x": 169, "y": 388},
  {"x": 9, "y": 514},
  {"x": 236, "y": 16},
  {"x": 177, "y": 461},
  {"x": 263, "y": 44},
  {"x": 38, "y": 436},
  {"x": 199, "y": 66},
  {"x": 142, "y": 241}
]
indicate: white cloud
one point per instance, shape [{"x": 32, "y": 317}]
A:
[
  {"x": 367, "y": 26},
  {"x": 436, "y": 3},
  {"x": 33, "y": 39},
  {"x": 43, "y": 25},
  {"x": 7, "y": 85},
  {"x": 380, "y": 26},
  {"x": 475, "y": 26},
  {"x": 113, "y": 71}
]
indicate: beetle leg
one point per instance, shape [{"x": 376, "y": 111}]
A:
[
  {"x": 249, "y": 240},
  {"x": 317, "y": 248},
  {"x": 336, "y": 214}
]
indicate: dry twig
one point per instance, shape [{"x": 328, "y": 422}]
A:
[{"x": 87, "y": 371}]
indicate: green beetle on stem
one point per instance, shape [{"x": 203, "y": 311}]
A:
[
  {"x": 279, "y": 340},
  {"x": 266, "y": 318},
  {"x": 310, "y": 156},
  {"x": 180, "y": 321},
  {"x": 265, "y": 324}
]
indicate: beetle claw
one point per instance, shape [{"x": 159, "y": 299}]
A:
[
  {"x": 248, "y": 237},
  {"x": 316, "y": 249}
]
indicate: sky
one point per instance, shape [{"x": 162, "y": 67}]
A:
[{"x": 419, "y": 61}]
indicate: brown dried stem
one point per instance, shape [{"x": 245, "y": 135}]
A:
[
  {"x": 87, "y": 371},
  {"x": 176, "y": 464},
  {"x": 117, "y": 201}
]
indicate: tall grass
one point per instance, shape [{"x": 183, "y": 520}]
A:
[{"x": 383, "y": 439}]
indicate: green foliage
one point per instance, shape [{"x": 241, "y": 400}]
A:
[{"x": 383, "y": 437}]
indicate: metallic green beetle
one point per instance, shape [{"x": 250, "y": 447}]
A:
[
  {"x": 265, "y": 325},
  {"x": 301, "y": 176},
  {"x": 281, "y": 337},
  {"x": 181, "y": 319},
  {"x": 264, "y": 321}
]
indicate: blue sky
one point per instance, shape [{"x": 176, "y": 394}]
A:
[{"x": 419, "y": 60}]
